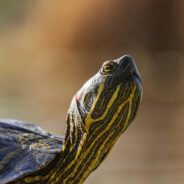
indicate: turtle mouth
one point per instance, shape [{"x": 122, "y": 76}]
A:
[
  {"x": 122, "y": 78},
  {"x": 136, "y": 76},
  {"x": 131, "y": 76}
]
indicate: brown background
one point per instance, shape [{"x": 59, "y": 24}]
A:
[{"x": 48, "y": 49}]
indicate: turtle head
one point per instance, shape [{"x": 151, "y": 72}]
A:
[
  {"x": 99, "y": 113},
  {"x": 111, "y": 97}
]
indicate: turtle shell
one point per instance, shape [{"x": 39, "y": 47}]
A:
[{"x": 24, "y": 148}]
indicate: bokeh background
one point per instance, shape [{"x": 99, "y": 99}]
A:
[{"x": 48, "y": 49}]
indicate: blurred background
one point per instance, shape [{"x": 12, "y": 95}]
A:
[{"x": 48, "y": 49}]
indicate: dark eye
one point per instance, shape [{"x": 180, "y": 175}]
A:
[{"x": 108, "y": 68}]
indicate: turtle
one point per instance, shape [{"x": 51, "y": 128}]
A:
[{"x": 99, "y": 113}]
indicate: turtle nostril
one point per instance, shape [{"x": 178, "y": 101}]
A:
[{"x": 126, "y": 63}]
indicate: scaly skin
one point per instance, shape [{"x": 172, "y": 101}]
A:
[{"x": 99, "y": 113}]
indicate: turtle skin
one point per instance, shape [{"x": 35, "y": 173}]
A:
[{"x": 24, "y": 148}]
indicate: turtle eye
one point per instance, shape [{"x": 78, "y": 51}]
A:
[{"x": 108, "y": 68}]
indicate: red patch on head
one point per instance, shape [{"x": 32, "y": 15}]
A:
[{"x": 78, "y": 96}]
